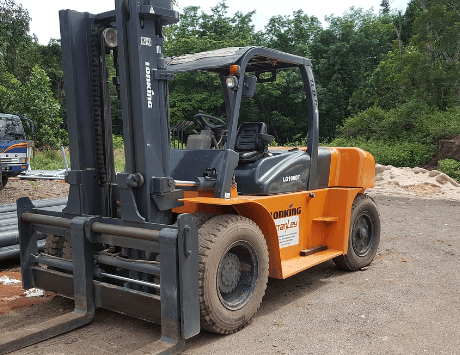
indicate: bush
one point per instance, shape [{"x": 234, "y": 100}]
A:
[
  {"x": 450, "y": 167},
  {"x": 366, "y": 124},
  {"x": 405, "y": 136},
  {"x": 396, "y": 153}
]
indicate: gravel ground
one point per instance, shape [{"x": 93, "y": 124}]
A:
[
  {"x": 406, "y": 302},
  {"x": 34, "y": 189}
]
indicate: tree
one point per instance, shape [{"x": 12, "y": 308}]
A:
[
  {"x": 292, "y": 34},
  {"x": 426, "y": 67},
  {"x": 350, "y": 47},
  {"x": 35, "y": 100},
  {"x": 14, "y": 26},
  {"x": 198, "y": 31},
  {"x": 438, "y": 27},
  {"x": 382, "y": 87},
  {"x": 438, "y": 33}
]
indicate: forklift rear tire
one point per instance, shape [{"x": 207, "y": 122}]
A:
[
  {"x": 364, "y": 237},
  {"x": 233, "y": 272},
  {"x": 54, "y": 245}
]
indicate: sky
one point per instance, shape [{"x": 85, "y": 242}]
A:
[{"x": 45, "y": 16}]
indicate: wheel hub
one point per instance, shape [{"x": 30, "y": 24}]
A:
[
  {"x": 362, "y": 235},
  {"x": 229, "y": 273}
]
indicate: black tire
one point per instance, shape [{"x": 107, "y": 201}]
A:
[
  {"x": 364, "y": 236},
  {"x": 54, "y": 245},
  {"x": 1, "y": 184},
  {"x": 58, "y": 246},
  {"x": 233, "y": 272},
  {"x": 67, "y": 252},
  {"x": 4, "y": 180}
]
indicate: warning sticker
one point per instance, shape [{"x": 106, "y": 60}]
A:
[{"x": 288, "y": 231}]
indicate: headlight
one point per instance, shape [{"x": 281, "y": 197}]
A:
[{"x": 231, "y": 82}]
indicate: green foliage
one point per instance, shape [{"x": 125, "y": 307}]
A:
[
  {"x": 343, "y": 53},
  {"x": 414, "y": 120},
  {"x": 14, "y": 25},
  {"x": 48, "y": 159},
  {"x": 118, "y": 153},
  {"x": 199, "y": 31},
  {"x": 438, "y": 31},
  {"x": 396, "y": 153},
  {"x": 450, "y": 167},
  {"x": 51, "y": 159},
  {"x": 281, "y": 104},
  {"x": 424, "y": 66},
  {"x": 34, "y": 99},
  {"x": 118, "y": 142},
  {"x": 119, "y": 159},
  {"x": 405, "y": 136},
  {"x": 191, "y": 92},
  {"x": 380, "y": 87},
  {"x": 291, "y": 34},
  {"x": 31, "y": 78},
  {"x": 438, "y": 28}
]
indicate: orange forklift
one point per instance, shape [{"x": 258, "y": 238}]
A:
[
  {"x": 186, "y": 238},
  {"x": 288, "y": 209}
]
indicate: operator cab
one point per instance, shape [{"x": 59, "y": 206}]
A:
[
  {"x": 256, "y": 169},
  {"x": 11, "y": 128}
]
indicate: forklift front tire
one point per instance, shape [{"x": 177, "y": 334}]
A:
[
  {"x": 364, "y": 235},
  {"x": 233, "y": 272}
]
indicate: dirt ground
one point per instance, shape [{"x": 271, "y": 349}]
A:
[
  {"x": 35, "y": 190},
  {"x": 13, "y": 296},
  {"x": 406, "y": 302}
]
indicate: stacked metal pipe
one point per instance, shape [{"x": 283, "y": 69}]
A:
[{"x": 9, "y": 233}]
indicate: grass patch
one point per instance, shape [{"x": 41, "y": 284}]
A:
[
  {"x": 450, "y": 167},
  {"x": 50, "y": 159},
  {"x": 119, "y": 159}
]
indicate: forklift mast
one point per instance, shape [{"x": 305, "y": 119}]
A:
[
  {"x": 90, "y": 223},
  {"x": 134, "y": 33}
]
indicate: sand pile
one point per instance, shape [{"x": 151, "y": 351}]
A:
[{"x": 414, "y": 182}]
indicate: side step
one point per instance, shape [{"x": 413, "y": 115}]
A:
[
  {"x": 307, "y": 252},
  {"x": 300, "y": 263}
]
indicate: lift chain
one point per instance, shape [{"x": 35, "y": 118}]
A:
[{"x": 96, "y": 104}]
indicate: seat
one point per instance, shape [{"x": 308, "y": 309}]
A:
[{"x": 252, "y": 141}]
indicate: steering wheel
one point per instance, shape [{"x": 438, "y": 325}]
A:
[{"x": 204, "y": 121}]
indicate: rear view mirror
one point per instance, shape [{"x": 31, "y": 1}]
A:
[{"x": 249, "y": 86}]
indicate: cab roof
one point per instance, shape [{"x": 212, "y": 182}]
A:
[
  {"x": 255, "y": 59},
  {"x": 8, "y": 116}
]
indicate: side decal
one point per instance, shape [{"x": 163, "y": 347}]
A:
[{"x": 288, "y": 231}]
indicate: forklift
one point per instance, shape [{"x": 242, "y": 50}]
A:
[{"x": 185, "y": 238}]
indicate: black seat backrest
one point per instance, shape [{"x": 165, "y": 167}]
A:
[{"x": 251, "y": 141}]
